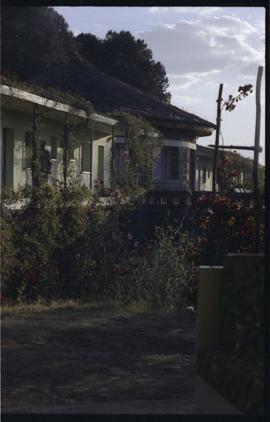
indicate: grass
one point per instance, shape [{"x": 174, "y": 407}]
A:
[
  {"x": 71, "y": 304},
  {"x": 108, "y": 306}
]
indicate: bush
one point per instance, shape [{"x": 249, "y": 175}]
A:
[
  {"x": 155, "y": 272},
  {"x": 217, "y": 226},
  {"x": 65, "y": 244},
  {"x": 7, "y": 251},
  {"x": 94, "y": 254},
  {"x": 35, "y": 233}
]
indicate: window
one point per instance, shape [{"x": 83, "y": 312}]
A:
[
  {"x": 86, "y": 157},
  {"x": 7, "y": 158},
  {"x": 204, "y": 174},
  {"x": 54, "y": 146},
  {"x": 27, "y": 150},
  {"x": 170, "y": 163},
  {"x": 60, "y": 143},
  {"x": 101, "y": 163},
  {"x": 157, "y": 163}
]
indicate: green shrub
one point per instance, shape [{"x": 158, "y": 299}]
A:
[
  {"x": 7, "y": 251},
  {"x": 35, "y": 232},
  {"x": 65, "y": 244},
  {"x": 155, "y": 272}
]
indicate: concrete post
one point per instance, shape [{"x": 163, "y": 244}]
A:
[{"x": 209, "y": 318}]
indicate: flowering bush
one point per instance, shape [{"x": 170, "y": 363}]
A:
[
  {"x": 217, "y": 226},
  {"x": 230, "y": 167},
  {"x": 136, "y": 164},
  {"x": 60, "y": 246}
]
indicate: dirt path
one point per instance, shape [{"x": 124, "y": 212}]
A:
[{"x": 88, "y": 358}]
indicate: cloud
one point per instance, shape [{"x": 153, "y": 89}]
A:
[
  {"x": 154, "y": 9},
  {"x": 201, "y": 48},
  {"x": 206, "y": 11},
  {"x": 201, "y": 11},
  {"x": 205, "y": 43},
  {"x": 180, "y": 82}
]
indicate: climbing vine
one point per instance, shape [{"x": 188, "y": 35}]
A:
[{"x": 136, "y": 161}]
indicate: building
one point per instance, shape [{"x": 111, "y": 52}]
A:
[
  {"x": 204, "y": 168},
  {"x": 175, "y": 161},
  {"x": 179, "y": 163},
  {"x": 90, "y": 157}
]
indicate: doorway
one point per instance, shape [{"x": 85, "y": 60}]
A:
[{"x": 7, "y": 159}]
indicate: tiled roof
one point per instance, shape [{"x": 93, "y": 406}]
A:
[{"x": 109, "y": 94}]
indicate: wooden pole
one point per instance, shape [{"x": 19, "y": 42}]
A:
[
  {"x": 256, "y": 159},
  {"x": 113, "y": 157},
  {"x": 91, "y": 155},
  {"x": 236, "y": 147},
  {"x": 35, "y": 165},
  {"x": 214, "y": 180},
  {"x": 65, "y": 153}
]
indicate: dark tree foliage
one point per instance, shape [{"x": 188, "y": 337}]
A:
[
  {"x": 122, "y": 56},
  {"x": 34, "y": 38}
]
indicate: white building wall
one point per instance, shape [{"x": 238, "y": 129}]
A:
[
  {"x": 204, "y": 174},
  {"x": 106, "y": 142},
  {"x": 21, "y": 122}
]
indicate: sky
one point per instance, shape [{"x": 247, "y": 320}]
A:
[{"x": 200, "y": 48}]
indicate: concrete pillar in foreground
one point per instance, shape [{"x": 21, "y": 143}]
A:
[{"x": 209, "y": 318}]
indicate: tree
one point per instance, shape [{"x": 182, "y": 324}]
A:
[
  {"x": 122, "y": 56},
  {"x": 33, "y": 39}
]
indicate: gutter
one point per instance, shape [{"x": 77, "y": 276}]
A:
[{"x": 103, "y": 119}]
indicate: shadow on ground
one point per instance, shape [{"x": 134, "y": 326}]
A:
[{"x": 79, "y": 356}]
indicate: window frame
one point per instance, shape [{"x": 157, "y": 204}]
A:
[
  {"x": 55, "y": 149},
  {"x": 166, "y": 167},
  {"x": 101, "y": 148},
  {"x": 204, "y": 174},
  {"x": 83, "y": 168}
]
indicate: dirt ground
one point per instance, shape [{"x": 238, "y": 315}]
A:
[{"x": 91, "y": 357}]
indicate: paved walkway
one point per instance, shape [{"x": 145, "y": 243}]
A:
[{"x": 88, "y": 360}]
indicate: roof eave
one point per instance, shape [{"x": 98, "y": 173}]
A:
[
  {"x": 53, "y": 104},
  {"x": 200, "y": 130}
]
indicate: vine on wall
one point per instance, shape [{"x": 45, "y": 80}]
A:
[{"x": 136, "y": 159}]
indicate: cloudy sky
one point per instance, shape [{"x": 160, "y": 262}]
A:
[{"x": 200, "y": 48}]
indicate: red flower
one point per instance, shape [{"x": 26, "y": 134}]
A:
[
  {"x": 204, "y": 241},
  {"x": 125, "y": 156},
  {"x": 31, "y": 277}
]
